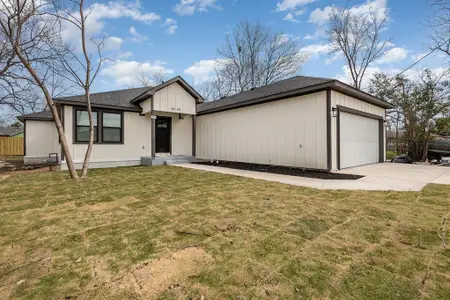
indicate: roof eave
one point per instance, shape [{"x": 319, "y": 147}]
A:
[
  {"x": 76, "y": 103},
  {"x": 348, "y": 90},
  {"x": 25, "y": 118},
  {"x": 293, "y": 93}
]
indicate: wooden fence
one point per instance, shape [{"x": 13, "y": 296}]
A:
[{"x": 11, "y": 146}]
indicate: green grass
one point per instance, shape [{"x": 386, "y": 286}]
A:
[{"x": 128, "y": 234}]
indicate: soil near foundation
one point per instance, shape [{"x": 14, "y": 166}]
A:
[{"x": 281, "y": 170}]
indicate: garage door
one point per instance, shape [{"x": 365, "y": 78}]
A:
[{"x": 359, "y": 140}]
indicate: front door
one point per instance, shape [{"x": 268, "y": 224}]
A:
[{"x": 163, "y": 134}]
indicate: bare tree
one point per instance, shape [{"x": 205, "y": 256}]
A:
[
  {"x": 156, "y": 78},
  {"x": 440, "y": 25},
  {"x": 29, "y": 34},
  {"x": 254, "y": 56},
  {"x": 358, "y": 38},
  {"x": 80, "y": 71}
]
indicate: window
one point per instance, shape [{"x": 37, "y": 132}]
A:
[
  {"x": 108, "y": 126},
  {"x": 82, "y": 126},
  {"x": 112, "y": 128}
]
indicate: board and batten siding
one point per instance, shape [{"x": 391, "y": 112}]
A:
[
  {"x": 288, "y": 132},
  {"x": 174, "y": 99},
  {"x": 339, "y": 99},
  {"x": 41, "y": 139},
  {"x": 137, "y": 142}
]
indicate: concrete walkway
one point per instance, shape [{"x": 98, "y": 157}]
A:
[{"x": 379, "y": 177}]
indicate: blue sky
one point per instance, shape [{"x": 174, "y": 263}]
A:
[{"x": 180, "y": 37}]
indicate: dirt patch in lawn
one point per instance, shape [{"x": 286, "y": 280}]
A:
[
  {"x": 280, "y": 170},
  {"x": 151, "y": 278}
]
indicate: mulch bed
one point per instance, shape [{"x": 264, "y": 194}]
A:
[{"x": 280, "y": 170}]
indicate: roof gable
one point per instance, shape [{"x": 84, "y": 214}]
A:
[{"x": 177, "y": 79}]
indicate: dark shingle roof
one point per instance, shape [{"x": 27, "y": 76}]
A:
[
  {"x": 284, "y": 89},
  {"x": 279, "y": 87},
  {"x": 10, "y": 131},
  {"x": 114, "y": 99},
  {"x": 45, "y": 115}
]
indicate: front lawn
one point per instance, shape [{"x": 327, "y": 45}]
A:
[{"x": 174, "y": 233}]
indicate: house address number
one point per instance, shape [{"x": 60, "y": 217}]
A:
[{"x": 175, "y": 109}]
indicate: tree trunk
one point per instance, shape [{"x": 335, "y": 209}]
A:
[
  {"x": 87, "y": 156},
  {"x": 56, "y": 118},
  {"x": 87, "y": 87}
]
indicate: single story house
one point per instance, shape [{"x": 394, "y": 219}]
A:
[
  {"x": 305, "y": 122},
  {"x": 11, "y": 131}
]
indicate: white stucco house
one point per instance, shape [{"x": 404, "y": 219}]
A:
[{"x": 305, "y": 122}]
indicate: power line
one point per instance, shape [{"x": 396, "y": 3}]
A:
[
  {"x": 415, "y": 63},
  {"x": 422, "y": 58}
]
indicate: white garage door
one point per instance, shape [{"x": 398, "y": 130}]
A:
[{"x": 359, "y": 140}]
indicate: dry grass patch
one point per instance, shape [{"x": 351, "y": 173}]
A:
[{"x": 174, "y": 233}]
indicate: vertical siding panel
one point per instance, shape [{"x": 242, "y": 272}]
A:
[{"x": 270, "y": 133}]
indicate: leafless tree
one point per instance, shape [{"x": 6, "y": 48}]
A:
[
  {"x": 254, "y": 56},
  {"x": 30, "y": 34},
  {"x": 81, "y": 71},
  {"x": 358, "y": 38},
  {"x": 156, "y": 78},
  {"x": 440, "y": 25}
]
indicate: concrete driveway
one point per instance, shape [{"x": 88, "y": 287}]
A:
[
  {"x": 378, "y": 177},
  {"x": 401, "y": 177}
]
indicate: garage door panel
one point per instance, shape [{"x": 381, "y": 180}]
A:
[{"x": 359, "y": 140}]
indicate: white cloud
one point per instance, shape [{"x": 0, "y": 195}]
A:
[
  {"x": 126, "y": 73},
  {"x": 418, "y": 56},
  {"x": 113, "y": 43},
  {"x": 171, "y": 25},
  {"x": 379, "y": 7},
  {"x": 316, "y": 49},
  {"x": 320, "y": 16},
  {"x": 136, "y": 37},
  {"x": 335, "y": 57},
  {"x": 412, "y": 74},
  {"x": 320, "y": 32},
  {"x": 292, "y": 4},
  {"x": 123, "y": 55},
  {"x": 202, "y": 70},
  {"x": 189, "y": 7},
  {"x": 290, "y": 18},
  {"x": 99, "y": 13},
  {"x": 395, "y": 54}
]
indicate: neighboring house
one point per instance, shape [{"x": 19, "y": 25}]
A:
[
  {"x": 11, "y": 131},
  {"x": 306, "y": 122}
]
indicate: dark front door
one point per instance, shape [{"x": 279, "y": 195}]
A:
[{"x": 163, "y": 134}]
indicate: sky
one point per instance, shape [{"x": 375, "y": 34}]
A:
[{"x": 181, "y": 37}]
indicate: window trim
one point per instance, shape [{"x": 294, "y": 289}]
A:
[
  {"x": 99, "y": 125},
  {"x": 121, "y": 126}
]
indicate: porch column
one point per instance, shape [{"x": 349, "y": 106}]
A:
[
  {"x": 153, "y": 129},
  {"x": 193, "y": 135}
]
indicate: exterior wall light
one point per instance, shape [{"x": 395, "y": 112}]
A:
[{"x": 335, "y": 112}]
